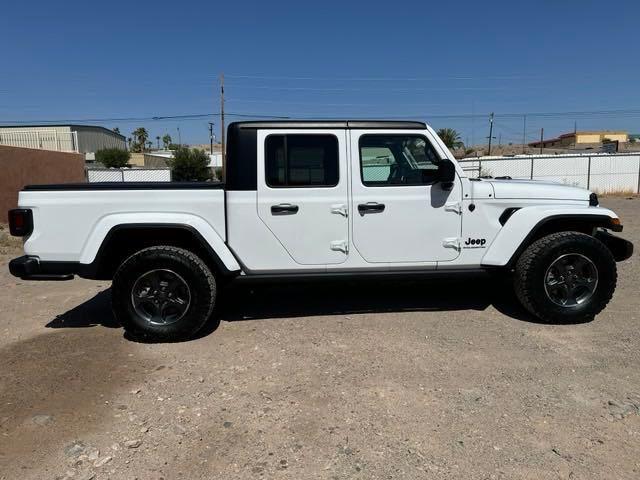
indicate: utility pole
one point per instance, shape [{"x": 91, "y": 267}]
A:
[
  {"x": 490, "y": 132},
  {"x": 541, "y": 138},
  {"x": 179, "y": 137},
  {"x": 222, "y": 132},
  {"x": 211, "y": 137},
  {"x": 524, "y": 133},
  {"x": 158, "y": 142}
]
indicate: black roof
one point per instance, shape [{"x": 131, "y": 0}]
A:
[{"x": 368, "y": 124}]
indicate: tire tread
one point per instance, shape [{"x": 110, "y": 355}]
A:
[
  {"x": 525, "y": 286},
  {"x": 154, "y": 253}
]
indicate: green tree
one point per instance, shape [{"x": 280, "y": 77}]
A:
[
  {"x": 141, "y": 135},
  {"x": 166, "y": 140},
  {"x": 113, "y": 157},
  {"x": 190, "y": 165},
  {"x": 450, "y": 137}
]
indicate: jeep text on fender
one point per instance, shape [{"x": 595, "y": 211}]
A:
[{"x": 306, "y": 198}]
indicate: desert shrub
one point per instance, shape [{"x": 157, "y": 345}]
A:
[
  {"x": 190, "y": 165},
  {"x": 113, "y": 157}
]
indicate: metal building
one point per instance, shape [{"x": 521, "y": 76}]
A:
[{"x": 85, "y": 139}]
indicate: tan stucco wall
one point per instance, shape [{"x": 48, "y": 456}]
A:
[
  {"x": 25, "y": 166},
  {"x": 137, "y": 159},
  {"x": 597, "y": 137}
]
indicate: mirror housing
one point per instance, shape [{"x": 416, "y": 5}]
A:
[{"x": 446, "y": 174}]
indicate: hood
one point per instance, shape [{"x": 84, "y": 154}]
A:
[{"x": 535, "y": 189}]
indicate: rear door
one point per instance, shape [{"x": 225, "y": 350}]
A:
[
  {"x": 302, "y": 193},
  {"x": 401, "y": 213}
]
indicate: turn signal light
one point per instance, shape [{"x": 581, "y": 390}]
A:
[{"x": 20, "y": 222}]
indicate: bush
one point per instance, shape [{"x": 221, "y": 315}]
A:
[
  {"x": 113, "y": 157},
  {"x": 190, "y": 165}
]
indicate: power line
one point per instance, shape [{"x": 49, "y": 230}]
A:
[
  {"x": 195, "y": 116},
  {"x": 462, "y": 116},
  {"x": 386, "y": 79},
  {"x": 372, "y": 89}
]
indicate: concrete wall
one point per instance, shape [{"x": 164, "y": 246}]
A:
[{"x": 24, "y": 166}]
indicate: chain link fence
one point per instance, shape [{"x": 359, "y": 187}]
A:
[
  {"x": 602, "y": 173},
  {"x": 128, "y": 175}
]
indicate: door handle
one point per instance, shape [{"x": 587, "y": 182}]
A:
[
  {"x": 370, "y": 207},
  {"x": 284, "y": 209}
]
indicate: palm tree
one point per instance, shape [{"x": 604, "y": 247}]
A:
[
  {"x": 141, "y": 135},
  {"x": 166, "y": 141},
  {"x": 450, "y": 137},
  {"x": 158, "y": 141}
]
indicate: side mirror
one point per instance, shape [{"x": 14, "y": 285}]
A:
[{"x": 446, "y": 174}]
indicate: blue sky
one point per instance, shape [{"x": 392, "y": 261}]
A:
[{"x": 338, "y": 59}]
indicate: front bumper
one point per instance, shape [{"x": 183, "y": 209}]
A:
[
  {"x": 31, "y": 268},
  {"x": 619, "y": 247}
]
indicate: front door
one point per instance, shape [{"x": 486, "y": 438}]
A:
[
  {"x": 401, "y": 214},
  {"x": 302, "y": 193}
]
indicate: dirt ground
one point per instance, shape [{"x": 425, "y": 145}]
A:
[{"x": 375, "y": 380}]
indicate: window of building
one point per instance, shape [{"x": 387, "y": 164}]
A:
[
  {"x": 397, "y": 159},
  {"x": 301, "y": 160}
]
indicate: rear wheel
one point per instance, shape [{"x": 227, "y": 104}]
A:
[
  {"x": 565, "y": 277},
  {"x": 163, "y": 293}
]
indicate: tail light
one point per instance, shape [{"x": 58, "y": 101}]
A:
[{"x": 20, "y": 222}]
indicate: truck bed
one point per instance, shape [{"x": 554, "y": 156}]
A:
[
  {"x": 126, "y": 186},
  {"x": 72, "y": 220}
]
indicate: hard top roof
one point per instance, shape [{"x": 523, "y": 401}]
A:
[{"x": 364, "y": 124}]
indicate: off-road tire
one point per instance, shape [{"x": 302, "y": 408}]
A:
[
  {"x": 195, "y": 273},
  {"x": 531, "y": 268}
]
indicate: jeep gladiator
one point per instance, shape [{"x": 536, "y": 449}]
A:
[{"x": 319, "y": 199}]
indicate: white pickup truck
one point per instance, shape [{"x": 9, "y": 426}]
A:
[{"x": 319, "y": 198}]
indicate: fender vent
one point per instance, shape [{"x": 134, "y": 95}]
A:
[{"x": 506, "y": 215}]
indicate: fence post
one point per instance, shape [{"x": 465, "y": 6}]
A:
[
  {"x": 479, "y": 168},
  {"x": 638, "y": 189},
  {"x": 531, "y": 177},
  {"x": 589, "y": 173}
]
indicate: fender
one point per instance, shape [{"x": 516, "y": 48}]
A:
[
  {"x": 196, "y": 224},
  {"x": 527, "y": 223}
]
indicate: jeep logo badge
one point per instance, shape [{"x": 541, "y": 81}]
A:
[{"x": 475, "y": 242}]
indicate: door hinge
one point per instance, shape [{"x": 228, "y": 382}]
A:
[
  {"x": 453, "y": 207},
  {"x": 453, "y": 242},
  {"x": 340, "y": 246},
  {"x": 340, "y": 209}
]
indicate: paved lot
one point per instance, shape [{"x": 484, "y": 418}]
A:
[{"x": 377, "y": 380}]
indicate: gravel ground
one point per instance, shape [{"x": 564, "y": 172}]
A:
[{"x": 375, "y": 380}]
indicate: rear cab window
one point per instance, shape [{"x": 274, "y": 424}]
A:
[{"x": 301, "y": 160}]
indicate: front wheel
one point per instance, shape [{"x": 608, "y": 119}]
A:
[
  {"x": 163, "y": 293},
  {"x": 565, "y": 277}
]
